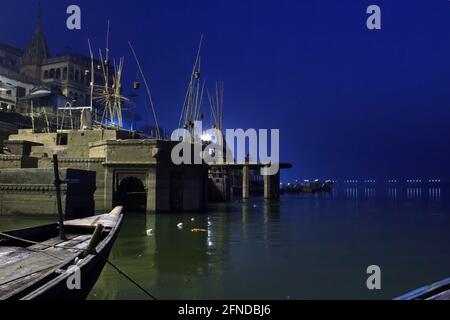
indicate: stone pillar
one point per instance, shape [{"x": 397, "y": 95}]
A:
[
  {"x": 108, "y": 192},
  {"x": 151, "y": 191},
  {"x": 246, "y": 183},
  {"x": 272, "y": 187}
]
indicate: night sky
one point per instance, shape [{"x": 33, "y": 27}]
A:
[{"x": 350, "y": 103}]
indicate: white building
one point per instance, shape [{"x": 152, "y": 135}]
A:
[{"x": 13, "y": 86}]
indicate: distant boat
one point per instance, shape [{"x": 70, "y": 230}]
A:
[
  {"x": 437, "y": 291},
  {"x": 328, "y": 186},
  {"x": 36, "y": 265}
]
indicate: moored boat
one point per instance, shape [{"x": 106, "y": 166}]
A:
[
  {"x": 436, "y": 291},
  {"x": 35, "y": 264}
]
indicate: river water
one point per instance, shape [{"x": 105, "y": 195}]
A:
[{"x": 305, "y": 247}]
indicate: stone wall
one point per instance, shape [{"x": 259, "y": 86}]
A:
[
  {"x": 87, "y": 164},
  {"x": 31, "y": 192},
  {"x": 20, "y": 148},
  {"x": 168, "y": 188},
  {"x": 17, "y": 162},
  {"x": 129, "y": 152},
  {"x": 78, "y": 141},
  {"x": 46, "y": 139}
]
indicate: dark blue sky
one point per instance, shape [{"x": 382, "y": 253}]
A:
[{"x": 351, "y": 103}]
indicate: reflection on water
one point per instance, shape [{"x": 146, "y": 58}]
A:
[
  {"x": 392, "y": 193},
  {"x": 305, "y": 247},
  {"x": 434, "y": 193},
  {"x": 351, "y": 193},
  {"x": 414, "y": 193},
  {"x": 370, "y": 193}
]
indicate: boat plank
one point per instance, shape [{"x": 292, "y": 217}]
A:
[
  {"x": 19, "y": 282},
  {"x": 34, "y": 262},
  {"x": 107, "y": 220},
  {"x": 11, "y": 254},
  {"x": 78, "y": 244},
  {"x": 20, "y": 262},
  {"x": 74, "y": 242},
  {"x": 53, "y": 242}
]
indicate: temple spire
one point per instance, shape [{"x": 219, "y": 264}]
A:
[{"x": 37, "y": 50}]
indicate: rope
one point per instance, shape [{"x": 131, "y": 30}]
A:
[
  {"x": 127, "y": 277},
  {"x": 121, "y": 272}
]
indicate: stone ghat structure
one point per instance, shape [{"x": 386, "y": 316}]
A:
[
  {"x": 132, "y": 172},
  {"x": 32, "y": 192}
]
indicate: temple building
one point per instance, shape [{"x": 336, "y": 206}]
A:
[{"x": 63, "y": 79}]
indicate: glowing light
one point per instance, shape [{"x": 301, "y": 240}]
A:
[{"x": 206, "y": 137}]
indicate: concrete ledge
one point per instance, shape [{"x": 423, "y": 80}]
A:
[
  {"x": 30, "y": 187},
  {"x": 81, "y": 160}
]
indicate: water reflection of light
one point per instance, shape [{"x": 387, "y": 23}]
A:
[
  {"x": 351, "y": 193},
  {"x": 435, "y": 193},
  {"x": 393, "y": 192},
  {"x": 210, "y": 237},
  {"x": 335, "y": 192},
  {"x": 370, "y": 192},
  {"x": 414, "y": 193}
]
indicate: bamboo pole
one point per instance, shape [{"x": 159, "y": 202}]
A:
[
  {"x": 57, "y": 184},
  {"x": 158, "y": 133}
]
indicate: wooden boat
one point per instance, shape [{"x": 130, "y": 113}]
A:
[
  {"x": 35, "y": 264},
  {"x": 437, "y": 291}
]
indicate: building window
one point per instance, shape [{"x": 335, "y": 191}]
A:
[
  {"x": 45, "y": 74},
  {"x": 58, "y": 73},
  {"x": 65, "y": 73},
  {"x": 52, "y": 73},
  {"x": 77, "y": 76}
]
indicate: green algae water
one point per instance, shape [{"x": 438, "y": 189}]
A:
[{"x": 305, "y": 247}]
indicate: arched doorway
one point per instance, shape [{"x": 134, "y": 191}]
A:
[{"x": 131, "y": 194}]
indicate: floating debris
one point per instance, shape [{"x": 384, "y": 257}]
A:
[
  {"x": 150, "y": 232},
  {"x": 180, "y": 226},
  {"x": 199, "y": 230}
]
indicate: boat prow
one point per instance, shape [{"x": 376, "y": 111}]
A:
[{"x": 437, "y": 291}]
